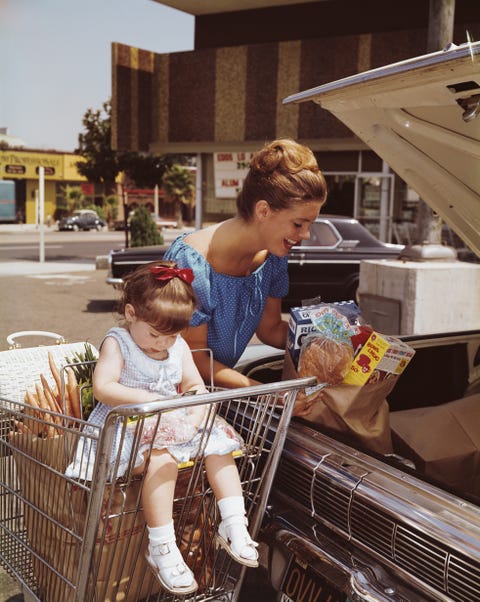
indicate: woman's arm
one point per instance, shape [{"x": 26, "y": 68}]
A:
[
  {"x": 106, "y": 378},
  {"x": 272, "y": 329},
  {"x": 223, "y": 376}
]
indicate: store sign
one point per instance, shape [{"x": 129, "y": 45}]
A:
[
  {"x": 24, "y": 164},
  {"x": 16, "y": 170},
  {"x": 230, "y": 169},
  {"x": 48, "y": 171},
  {"x": 87, "y": 188}
]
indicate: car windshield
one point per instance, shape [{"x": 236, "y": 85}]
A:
[{"x": 355, "y": 231}]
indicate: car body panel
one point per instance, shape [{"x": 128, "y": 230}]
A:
[{"x": 327, "y": 265}]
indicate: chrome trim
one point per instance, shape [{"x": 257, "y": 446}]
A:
[
  {"x": 453, "y": 53},
  {"x": 427, "y": 536},
  {"x": 115, "y": 282},
  {"x": 353, "y": 575}
]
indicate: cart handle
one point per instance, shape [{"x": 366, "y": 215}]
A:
[{"x": 12, "y": 344}]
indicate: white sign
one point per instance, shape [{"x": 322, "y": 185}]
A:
[{"x": 230, "y": 170}]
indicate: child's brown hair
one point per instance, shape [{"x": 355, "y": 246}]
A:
[{"x": 161, "y": 294}]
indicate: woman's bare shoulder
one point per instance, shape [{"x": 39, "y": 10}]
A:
[{"x": 200, "y": 240}]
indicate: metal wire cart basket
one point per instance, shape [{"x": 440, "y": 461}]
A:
[{"x": 67, "y": 539}]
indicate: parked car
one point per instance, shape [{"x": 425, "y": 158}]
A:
[
  {"x": 326, "y": 265},
  {"x": 346, "y": 523},
  {"x": 83, "y": 219}
]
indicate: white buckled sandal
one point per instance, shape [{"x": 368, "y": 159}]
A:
[
  {"x": 235, "y": 539},
  {"x": 170, "y": 569}
]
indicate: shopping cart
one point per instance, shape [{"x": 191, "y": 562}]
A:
[{"x": 68, "y": 539}]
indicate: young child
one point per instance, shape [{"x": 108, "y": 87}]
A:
[{"x": 149, "y": 360}]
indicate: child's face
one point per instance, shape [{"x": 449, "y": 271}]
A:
[{"x": 151, "y": 342}]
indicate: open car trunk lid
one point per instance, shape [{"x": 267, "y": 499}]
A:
[{"x": 422, "y": 117}]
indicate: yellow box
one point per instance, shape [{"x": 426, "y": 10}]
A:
[{"x": 379, "y": 358}]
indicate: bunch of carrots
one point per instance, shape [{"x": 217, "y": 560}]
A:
[{"x": 41, "y": 422}]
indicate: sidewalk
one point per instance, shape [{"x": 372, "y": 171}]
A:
[{"x": 26, "y": 268}]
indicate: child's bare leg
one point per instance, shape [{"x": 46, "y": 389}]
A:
[
  {"x": 223, "y": 476},
  {"x": 163, "y": 555},
  {"x": 233, "y": 535},
  {"x": 159, "y": 488}
]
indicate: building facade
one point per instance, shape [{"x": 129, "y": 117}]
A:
[
  {"x": 21, "y": 167},
  {"x": 223, "y": 100}
]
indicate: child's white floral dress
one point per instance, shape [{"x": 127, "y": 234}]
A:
[{"x": 180, "y": 431}]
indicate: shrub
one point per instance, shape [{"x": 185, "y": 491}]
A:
[{"x": 143, "y": 230}]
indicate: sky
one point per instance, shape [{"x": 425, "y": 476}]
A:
[{"x": 55, "y": 60}]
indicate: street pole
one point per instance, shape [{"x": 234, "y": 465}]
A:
[
  {"x": 440, "y": 34},
  {"x": 125, "y": 213},
  {"x": 198, "y": 193},
  {"x": 41, "y": 212},
  {"x": 156, "y": 208}
]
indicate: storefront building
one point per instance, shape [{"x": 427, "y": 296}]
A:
[
  {"x": 223, "y": 100},
  {"x": 21, "y": 168}
]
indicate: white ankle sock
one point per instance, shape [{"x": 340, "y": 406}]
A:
[
  {"x": 161, "y": 534},
  {"x": 231, "y": 506}
]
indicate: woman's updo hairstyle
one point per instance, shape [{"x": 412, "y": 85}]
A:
[{"x": 282, "y": 173}]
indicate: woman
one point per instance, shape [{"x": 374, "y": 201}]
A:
[{"x": 240, "y": 265}]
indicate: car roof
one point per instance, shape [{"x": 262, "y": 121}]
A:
[{"x": 422, "y": 116}]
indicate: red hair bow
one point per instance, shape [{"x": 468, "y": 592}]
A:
[{"x": 164, "y": 273}]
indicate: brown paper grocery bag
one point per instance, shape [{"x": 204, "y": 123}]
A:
[
  {"x": 55, "y": 514},
  {"x": 361, "y": 411}
]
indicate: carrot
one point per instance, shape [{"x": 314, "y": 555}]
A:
[
  {"x": 74, "y": 394},
  {"x": 30, "y": 399},
  {"x": 50, "y": 395},
  {"x": 55, "y": 373},
  {"x": 58, "y": 382},
  {"x": 44, "y": 405},
  {"x": 22, "y": 428},
  {"x": 35, "y": 425},
  {"x": 51, "y": 401},
  {"x": 42, "y": 400}
]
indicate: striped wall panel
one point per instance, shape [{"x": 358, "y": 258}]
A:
[{"x": 214, "y": 98}]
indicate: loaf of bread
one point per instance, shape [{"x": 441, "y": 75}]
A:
[{"x": 325, "y": 358}]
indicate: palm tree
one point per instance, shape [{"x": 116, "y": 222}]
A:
[{"x": 179, "y": 187}]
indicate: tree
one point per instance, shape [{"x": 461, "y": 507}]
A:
[
  {"x": 146, "y": 170},
  {"x": 101, "y": 164},
  {"x": 179, "y": 187},
  {"x": 143, "y": 229},
  {"x": 74, "y": 197}
]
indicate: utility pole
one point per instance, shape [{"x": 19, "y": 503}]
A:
[{"x": 440, "y": 34}]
